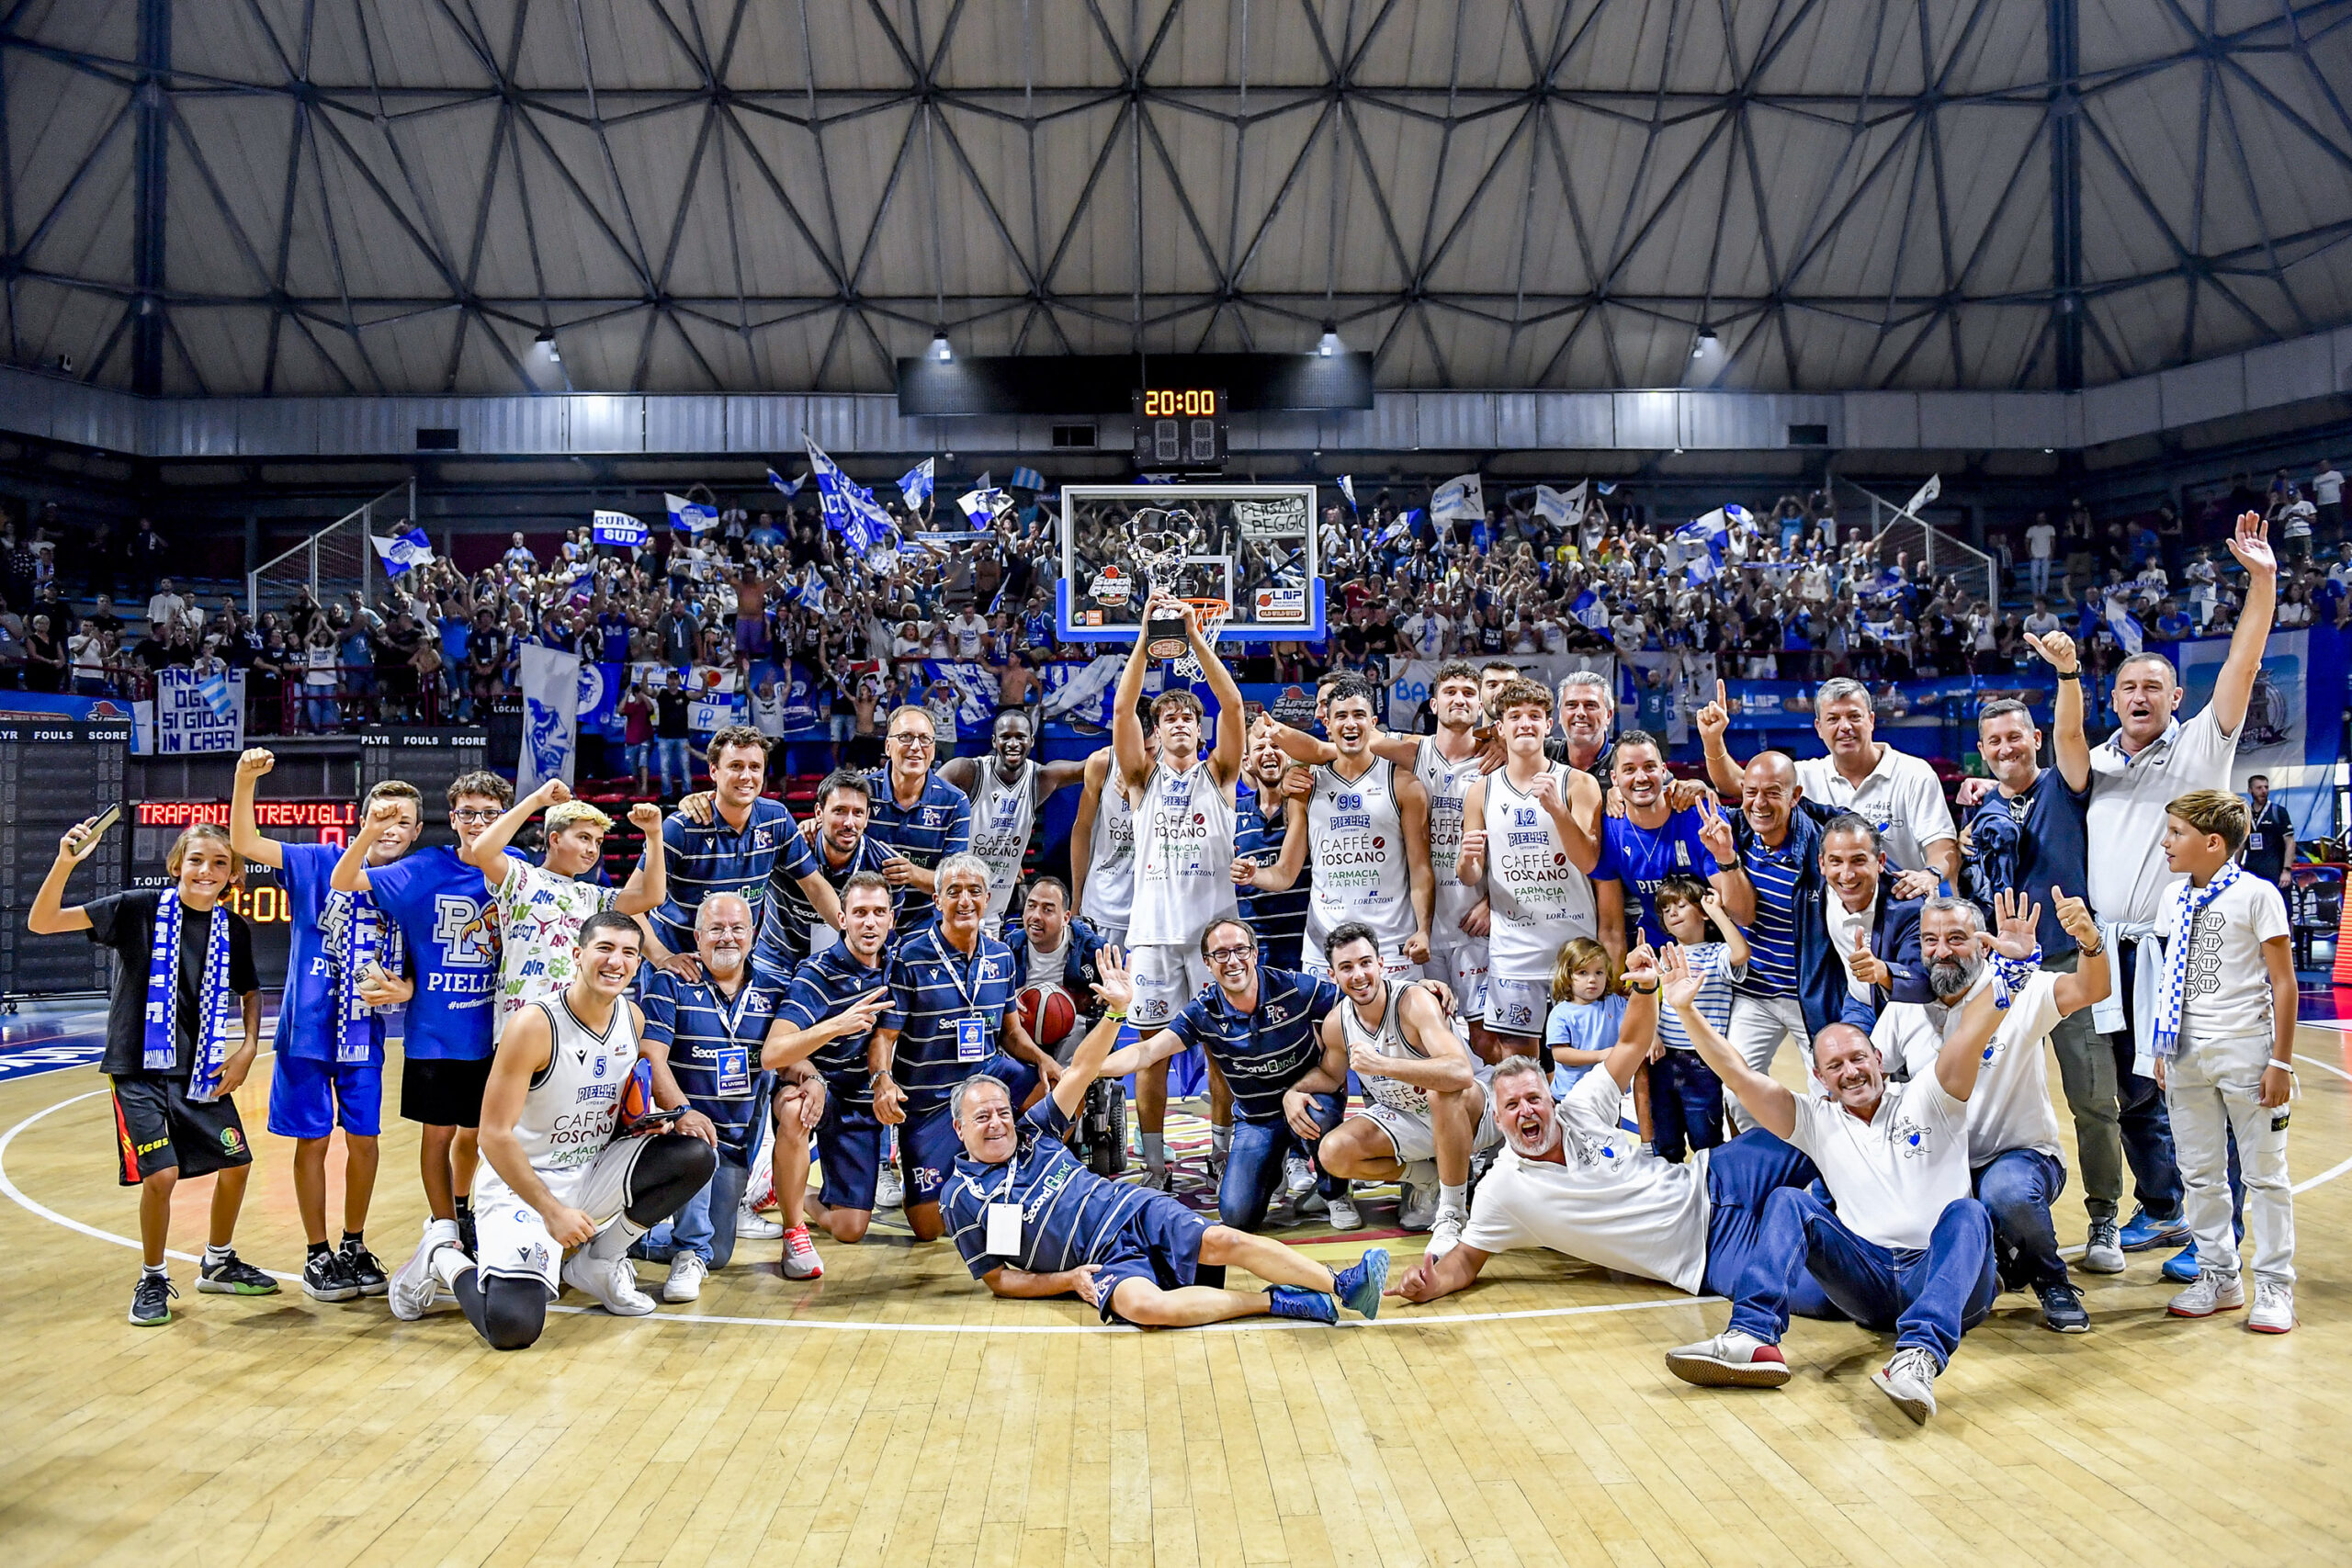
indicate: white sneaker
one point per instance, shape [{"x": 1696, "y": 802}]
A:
[
  {"x": 2212, "y": 1291},
  {"x": 2103, "y": 1249},
  {"x": 611, "y": 1281},
  {"x": 890, "y": 1193},
  {"x": 1445, "y": 1233},
  {"x": 1909, "y": 1380},
  {"x": 1342, "y": 1210},
  {"x": 800, "y": 1259},
  {"x": 2274, "y": 1308},
  {"x": 1417, "y": 1206},
  {"x": 752, "y": 1225},
  {"x": 1154, "y": 1179},
  {"x": 1731, "y": 1359},
  {"x": 688, "y": 1271},
  {"x": 414, "y": 1282},
  {"x": 1298, "y": 1177}
]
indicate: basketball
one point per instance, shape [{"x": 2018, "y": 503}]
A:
[{"x": 1047, "y": 1013}]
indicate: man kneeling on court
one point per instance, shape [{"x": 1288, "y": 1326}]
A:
[
  {"x": 1906, "y": 1249},
  {"x": 558, "y": 1178},
  {"x": 1573, "y": 1179},
  {"x": 1032, "y": 1221}
]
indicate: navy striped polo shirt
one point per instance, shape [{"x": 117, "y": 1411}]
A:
[
  {"x": 713, "y": 1044},
  {"x": 937, "y": 825},
  {"x": 1279, "y": 918},
  {"x": 707, "y": 858},
  {"x": 784, "y": 923},
  {"x": 1067, "y": 1212},
  {"x": 821, "y": 987},
  {"x": 951, "y": 1006},
  {"x": 1260, "y": 1053}
]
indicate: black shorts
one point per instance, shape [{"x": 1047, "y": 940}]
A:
[
  {"x": 157, "y": 1127},
  {"x": 443, "y": 1093}
]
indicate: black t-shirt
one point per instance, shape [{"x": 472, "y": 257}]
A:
[
  {"x": 672, "y": 724},
  {"x": 126, "y": 922}
]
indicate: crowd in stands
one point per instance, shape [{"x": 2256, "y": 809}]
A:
[{"x": 774, "y": 605}]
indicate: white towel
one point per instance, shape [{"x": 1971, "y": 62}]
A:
[{"x": 2106, "y": 1013}]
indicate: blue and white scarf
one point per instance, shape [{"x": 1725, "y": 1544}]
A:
[
  {"x": 2182, "y": 906},
  {"x": 2009, "y": 975},
  {"x": 358, "y": 936},
  {"x": 217, "y": 1008}
]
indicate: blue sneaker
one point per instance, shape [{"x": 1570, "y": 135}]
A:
[
  {"x": 1297, "y": 1301},
  {"x": 1359, "y": 1285},
  {"x": 2181, "y": 1267},
  {"x": 2145, "y": 1231}
]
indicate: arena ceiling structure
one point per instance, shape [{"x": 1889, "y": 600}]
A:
[{"x": 330, "y": 197}]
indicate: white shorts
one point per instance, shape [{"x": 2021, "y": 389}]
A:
[
  {"x": 510, "y": 1238},
  {"x": 1165, "y": 979},
  {"x": 1413, "y": 1137},
  {"x": 1114, "y": 935},
  {"x": 1518, "y": 1007},
  {"x": 1463, "y": 969}
]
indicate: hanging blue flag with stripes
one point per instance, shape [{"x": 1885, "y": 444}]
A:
[
  {"x": 789, "y": 489},
  {"x": 213, "y": 687},
  {"x": 404, "y": 552},
  {"x": 2128, "y": 636},
  {"x": 1026, "y": 479},
  {"x": 915, "y": 485}
]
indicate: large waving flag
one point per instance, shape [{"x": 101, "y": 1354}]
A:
[
  {"x": 915, "y": 485},
  {"x": 618, "y": 529},
  {"x": 789, "y": 489},
  {"x": 1562, "y": 509},
  {"x": 983, "y": 504},
  {"x": 1462, "y": 498},
  {"x": 693, "y": 517},
  {"x": 1026, "y": 479},
  {"x": 1925, "y": 494},
  {"x": 404, "y": 552},
  {"x": 811, "y": 595},
  {"x": 850, "y": 508},
  {"x": 1702, "y": 542},
  {"x": 2129, "y": 635}
]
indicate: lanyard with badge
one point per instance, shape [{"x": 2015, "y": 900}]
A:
[
  {"x": 971, "y": 1032},
  {"x": 1003, "y": 1238},
  {"x": 734, "y": 1060}
]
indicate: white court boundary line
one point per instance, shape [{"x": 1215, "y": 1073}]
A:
[{"x": 17, "y": 1196}]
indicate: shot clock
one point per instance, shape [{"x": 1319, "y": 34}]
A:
[{"x": 1179, "y": 428}]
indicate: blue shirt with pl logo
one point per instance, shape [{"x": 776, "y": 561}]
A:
[
  {"x": 951, "y": 1007},
  {"x": 711, "y": 857},
  {"x": 714, "y": 1042},
  {"x": 450, "y": 927},
  {"x": 1645, "y": 857},
  {"x": 824, "y": 986},
  {"x": 937, "y": 825},
  {"x": 1261, "y": 1052}
]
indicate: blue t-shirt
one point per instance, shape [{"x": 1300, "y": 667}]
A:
[
  {"x": 1581, "y": 1026},
  {"x": 825, "y": 984},
  {"x": 1643, "y": 857},
  {"x": 937, "y": 825},
  {"x": 950, "y": 1008},
  {"x": 1262, "y": 1053},
  {"x": 306, "y": 1012},
  {"x": 713, "y": 1046},
  {"x": 450, "y": 925},
  {"x": 707, "y": 858},
  {"x": 1067, "y": 1212},
  {"x": 1279, "y": 918},
  {"x": 2051, "y": 845}
]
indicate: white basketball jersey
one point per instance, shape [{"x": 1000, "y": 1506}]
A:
[
  {"x": 574, "y": 1101},
  {"x": 1002, "y": 815},
  {"x": 1183, "y": 857},
  {"x": 1389, "y": 1041},
  {"x": 1357, "y": 838},
  {"x": 1446, "y": 783},
  {"x": 1537, "y": 896},
  {"x": 1108, "y": 896}
]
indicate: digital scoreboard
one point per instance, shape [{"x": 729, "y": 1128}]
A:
[
  {"x": 262, "y": 899},
  {"x": 1179, "y": 428}
]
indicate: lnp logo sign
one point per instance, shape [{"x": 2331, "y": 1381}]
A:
[{"x": 1283, "y": 607}]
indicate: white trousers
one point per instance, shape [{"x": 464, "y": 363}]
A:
[
  {"x": 1759, "y": 1024},
  {"x": 2211, "y": 1088}
]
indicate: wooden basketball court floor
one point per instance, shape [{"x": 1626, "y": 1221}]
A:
[{"x": 894, "y": 1412}]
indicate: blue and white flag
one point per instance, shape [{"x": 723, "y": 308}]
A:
[
  {"x": 1700, "y": 543},
  {"x": 1924, "y": 495},
  {"x": 1348, "y": 488},
  {"x": 850, "y": 508},
  {"x": 693, "y": 517},
  {"x": 618, "y": 529},
  {"x": 1589, "y": 610},
  {"x": 404, "y": 552},
  {"x": 1606, "y": 487},
  {"x": 2128, "y": 636},
  {"x": 1562, "y": 509},
  {"x": 1026, "y": 479},
  {"x": 982, "y": 504},
  {"x": 975, "y": 687},
  {"x": 915, "y": 485},
  {"x": 213, "y": 687},
  {"x": 550, "y": 680},
  {"x": 789, "y": 489},
  {"x": 811, "y": 595},
  {"x": 1460, "y": 499},
  {"x": 1396, "y": 530}
]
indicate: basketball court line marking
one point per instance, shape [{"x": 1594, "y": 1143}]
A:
[{"x": 17, "y": 1196}]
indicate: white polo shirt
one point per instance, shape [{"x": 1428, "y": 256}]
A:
[
  {"x": 2010, "y": 1107},
  {"x": 2126, "y": 819},
  {"x": 1894, "y": 1174},
  {"x": 1900, "y": 797},
  {"x": 1612, "y": 1201}
]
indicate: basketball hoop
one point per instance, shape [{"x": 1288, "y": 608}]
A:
[{"x": 1211, "y": 614}]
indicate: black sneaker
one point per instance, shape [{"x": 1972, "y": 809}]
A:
[
  {"x": 327, "y": 1278},
  {"x": 2062, "y": 1310},
  {"x": 365, "y": 1271},
  {"x": 234, "y": 1277},
  {"x": 151, "y": 1300},
  {"x": 466, "y": 1233}
]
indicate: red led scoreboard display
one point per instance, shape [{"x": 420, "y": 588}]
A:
[{"x": 261, "y": 900}]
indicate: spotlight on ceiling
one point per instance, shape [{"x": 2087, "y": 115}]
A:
[
  {"x": 545, "y": 342},
  {"x": 1706, "y": 344},
  {"x": 1329, "y": 344},
  {"x": 940, "y": 349}
]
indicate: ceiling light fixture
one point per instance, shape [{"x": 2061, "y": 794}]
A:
[
  {"x": 1329, "y": 343},
  {"x": 940, "y": 349}
]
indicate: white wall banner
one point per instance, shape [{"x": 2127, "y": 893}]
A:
[
  {"x": 186, "y": 720},
  {"x": 2275, "y": 716},
  {"x": 551, "y": 717}
]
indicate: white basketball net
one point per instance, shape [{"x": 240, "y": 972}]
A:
[{"x": 1213, "y": 619}]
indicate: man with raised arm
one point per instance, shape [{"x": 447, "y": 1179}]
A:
[
  {"x": 1008, "y": 788},
  {"x": 1183, "y": 804},
  {"x": 731, "y": 839},
  {"x": 1102, "y": 847}
]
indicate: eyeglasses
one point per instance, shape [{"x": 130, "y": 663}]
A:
[
  {"x": 475, "y": 816},
  {"x": 1230, "y": 954},
  {"x": 908, "y": 737}
]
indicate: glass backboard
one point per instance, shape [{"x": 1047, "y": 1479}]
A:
[{"x": 1252, "y": 546}]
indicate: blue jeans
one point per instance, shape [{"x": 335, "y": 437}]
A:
[
  {"x": 2145, "y": 1123},
  {"x": 673, "y": 754},
  {"x": 1253, "y": 1171},
  {"x": 1927, "y": 1298},
  {"x": 705, "y": 1224},
  {"x": 1741, "y": 1175},
  {"x": 1686, "y": 1105},
  {"x": 2016, "y": 1188}
]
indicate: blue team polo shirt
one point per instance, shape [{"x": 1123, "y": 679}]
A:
[
  {"x": 789, "y": 916},
  {"x": 1645, "y": 857},
  {"x": 950, "y": 1007},
  {"x": 450, "y": 926},
  {"x": 825, "y": 984},
  {"x": 2053, "y": 846},
  {"x": 937, "y": 825},
  {"x": 1279, "y": 918},
  {"x": 1067, "y": 1212},
  {"x": 713, "y": 1046},
  {"x": 1261, "y": 1052},
  {"x": 707, "y": 858}
]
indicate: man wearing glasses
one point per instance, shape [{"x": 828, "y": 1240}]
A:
[{"x": 917, "y": 818}]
